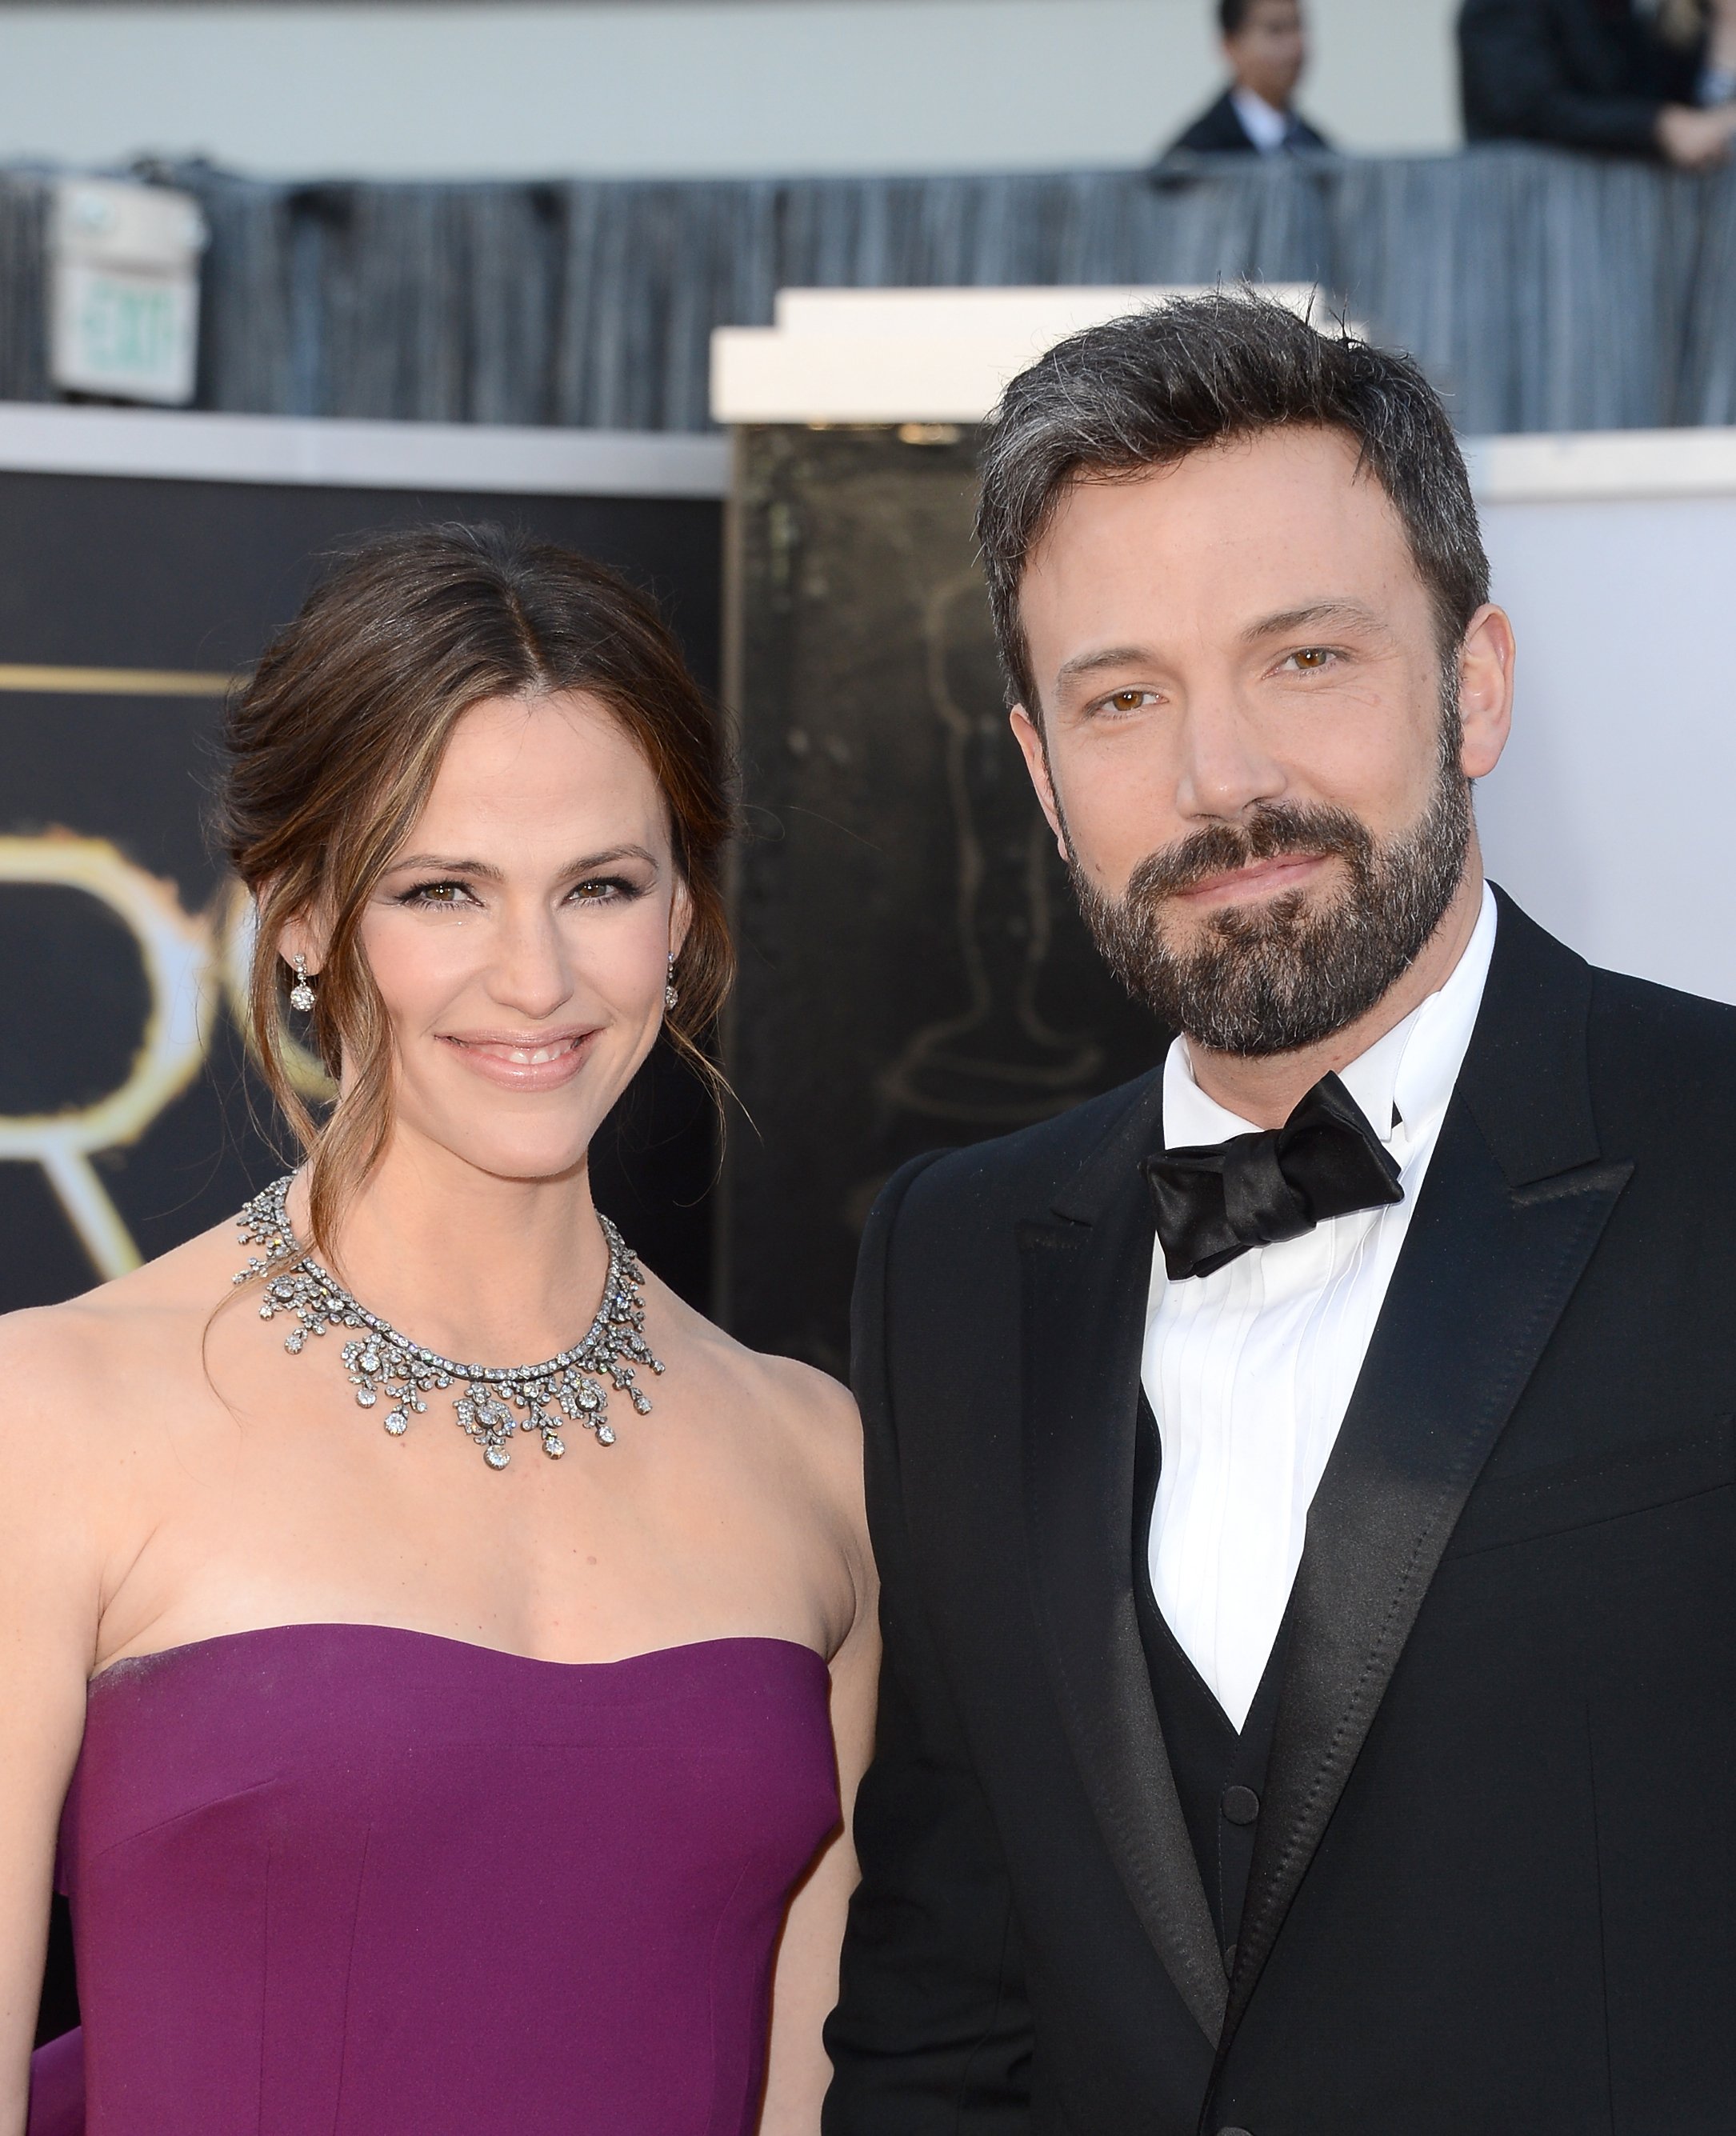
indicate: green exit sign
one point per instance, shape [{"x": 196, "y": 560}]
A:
[
  {"x": 134, "y": 334},
  {"x": 124, "y": 315}
]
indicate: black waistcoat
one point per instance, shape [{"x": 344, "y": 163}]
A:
[{"x": 1221, "y": 1775}]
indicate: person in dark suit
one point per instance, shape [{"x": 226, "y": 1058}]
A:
[
  {"x": 1265, "y": 43},
  {"x": 1629, "y": 77},
  {"x": 1304, "y": 1479}
]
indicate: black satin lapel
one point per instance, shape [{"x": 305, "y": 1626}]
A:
[
  {"x": 1485, "y": 1275},
  {"x": 1085, "y": 1287}
]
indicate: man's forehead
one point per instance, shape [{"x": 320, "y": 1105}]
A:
[{"x": 1263, "y": 492}]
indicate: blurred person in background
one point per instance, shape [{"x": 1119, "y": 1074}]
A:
[
  {"x": 1265, "y": 44},
  {"x": 1631, "y": 77}
]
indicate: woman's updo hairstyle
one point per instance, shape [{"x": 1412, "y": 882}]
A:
[{"x": 332, "y": 744}]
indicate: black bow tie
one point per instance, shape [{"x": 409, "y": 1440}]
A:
[{"x": 1213, "y": 1205}]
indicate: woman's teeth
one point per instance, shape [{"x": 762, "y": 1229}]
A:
[
  {"x": 523, "y": 1056},
  {"x": 533, "y": 1056}
]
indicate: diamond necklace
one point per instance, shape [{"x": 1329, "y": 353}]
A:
[{"x": 570, "y": 1388}]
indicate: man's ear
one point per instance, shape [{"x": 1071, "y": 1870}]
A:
[
  {"x": 1486, "y": 660},
  {"x": 1029, "y": 736}
]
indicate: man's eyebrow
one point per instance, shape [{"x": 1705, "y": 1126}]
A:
[
  {"x": 1357, "y": 614},
  {"x": 488, "y": 872},
  {"x": 1353, "y": 614},
  {"x": 1111, "y": 656}
]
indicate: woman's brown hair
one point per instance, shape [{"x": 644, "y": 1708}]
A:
[{"x": 332, "y": 744}]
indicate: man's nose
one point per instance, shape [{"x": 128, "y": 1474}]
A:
[{"x": 1225, "y": 768}]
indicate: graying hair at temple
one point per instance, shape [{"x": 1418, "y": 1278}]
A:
[{"x": 1146, "y": 390}]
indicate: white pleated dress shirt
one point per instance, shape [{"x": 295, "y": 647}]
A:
[
  {"x": 1265, "y": 125},
  {"x": 1249, "y": 1371}
]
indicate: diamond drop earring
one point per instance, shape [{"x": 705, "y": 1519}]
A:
[
  {"x": 301, "y": 994},
  {"x": 671, "y": 998}
]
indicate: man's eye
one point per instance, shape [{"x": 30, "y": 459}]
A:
[
  {"x": 1126, "y": 701},
  {"x": 1312, "y": 659}
]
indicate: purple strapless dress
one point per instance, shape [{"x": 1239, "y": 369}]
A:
[{"x": 342, "y": 1879}]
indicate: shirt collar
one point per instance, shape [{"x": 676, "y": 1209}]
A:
[
  {"x": 1264, "y": 124},
  {"x": 1409, "y": 1072}
]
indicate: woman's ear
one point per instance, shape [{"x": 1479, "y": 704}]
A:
[
  {"x": 298, "y": 937},
  {"x": 681, "y": 919}
]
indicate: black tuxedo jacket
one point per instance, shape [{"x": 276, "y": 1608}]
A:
[
  {"x": 1584, "y": 74},
  {"x": 1219, "y": 131},
  {"x": 1494, "y": 1875}
]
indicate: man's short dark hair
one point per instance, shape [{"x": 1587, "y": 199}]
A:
[
  {"x": 1147, "y": 391},
  {"x": 1232, "y": 16}
]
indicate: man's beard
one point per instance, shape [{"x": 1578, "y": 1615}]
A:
[{"x": 1271, "y": 978}]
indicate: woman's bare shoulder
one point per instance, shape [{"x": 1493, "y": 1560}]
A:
[
  {"x": 812, "y": 1417},
  {"x": 57, "y": 1360},
  {"x": 802, "y": 1393},
  {"x": 87, "y": 1387}
]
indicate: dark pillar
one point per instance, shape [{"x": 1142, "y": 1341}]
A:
[{"x": 914, "y": 973}]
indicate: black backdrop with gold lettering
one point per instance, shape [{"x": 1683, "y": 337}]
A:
[{"x": 126, "y": 1121}]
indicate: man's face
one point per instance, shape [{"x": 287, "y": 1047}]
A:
[
  {"x": 1270, "y": 51},
  {"x": 1248, "y": 752}
]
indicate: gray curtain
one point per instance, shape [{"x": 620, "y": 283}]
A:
[{"x": 1543, "y": 291}]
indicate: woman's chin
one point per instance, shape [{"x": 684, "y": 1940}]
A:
[{"x": 526, "y": 1158}]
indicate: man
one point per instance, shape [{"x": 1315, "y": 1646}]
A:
[
  {"x": 1631, "y": 77},
  {"x": 1266, "y": 44},
  {"x": 1303, "y": 1479}
]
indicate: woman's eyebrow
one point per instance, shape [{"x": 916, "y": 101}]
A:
[
  {"x": 451, "y": 865},
  {"x": 612, "y": 854}
]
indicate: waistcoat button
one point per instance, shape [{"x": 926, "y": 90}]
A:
[{"x": 1241, "y": 1806}]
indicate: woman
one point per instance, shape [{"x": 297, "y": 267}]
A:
[{"x": 417, "y": 1778}]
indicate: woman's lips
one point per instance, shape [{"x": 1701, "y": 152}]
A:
[
  {"x": 1260, "y": 879},
  {"x": 539, "y": 1062}
]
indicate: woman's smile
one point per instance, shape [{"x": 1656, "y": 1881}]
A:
[{"x": 523, "y": 1060}]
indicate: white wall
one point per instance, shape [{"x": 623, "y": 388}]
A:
[
  {"x": 678, "y": 87},
  {"x": 1605, "y": 817}
]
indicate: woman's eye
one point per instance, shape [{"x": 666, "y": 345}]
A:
[
  {"x": 436, "y": 893},
  {"x": 604, "y": 890}
]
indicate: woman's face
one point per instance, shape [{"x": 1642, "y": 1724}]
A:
[{"x": 520, "y": 940}]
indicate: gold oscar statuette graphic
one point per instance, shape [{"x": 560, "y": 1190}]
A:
[{"x": 192, "y": 962}]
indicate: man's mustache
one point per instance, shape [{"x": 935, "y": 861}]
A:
[{"x": 1273, "y": 830}]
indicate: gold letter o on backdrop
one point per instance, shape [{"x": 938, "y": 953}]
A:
[{"x": 175, "y": 947}]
